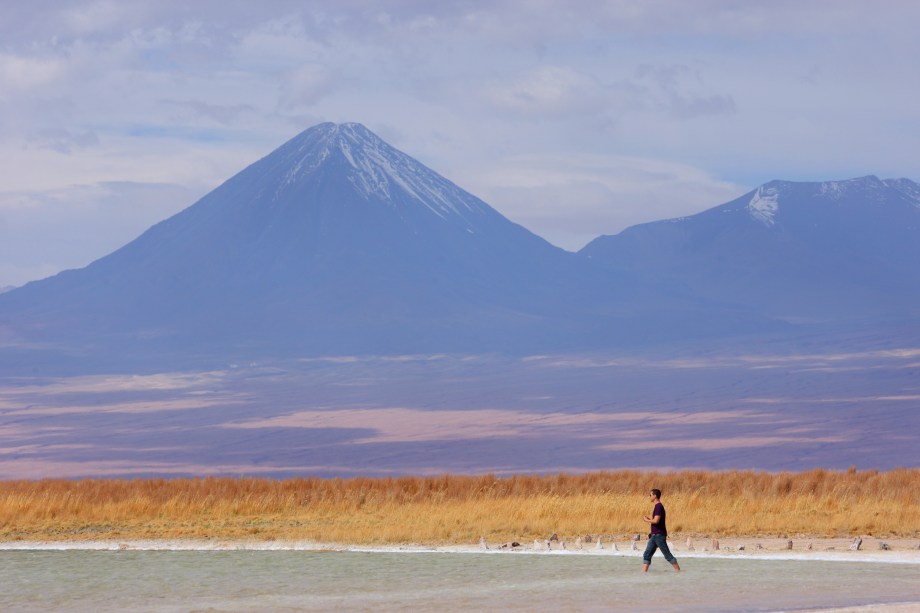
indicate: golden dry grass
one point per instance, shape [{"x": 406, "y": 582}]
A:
[{"x": 460, "y": 509}]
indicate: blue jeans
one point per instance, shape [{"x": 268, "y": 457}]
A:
[{"x": 655, "y": 542}]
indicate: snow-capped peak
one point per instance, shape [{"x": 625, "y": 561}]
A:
[
  {"x": 378, "y": 170},
  {"x": 381, "y": 169},
  {"x": 906, "y": 187},
  {"x": 837, "y": 189},
  {"x": 764, "y": 205}
]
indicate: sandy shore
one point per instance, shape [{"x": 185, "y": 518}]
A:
[
  {"x": 907, "y": 607},
  {"x": 899, "y": 551},
  {"x": 903, "y": 551}
]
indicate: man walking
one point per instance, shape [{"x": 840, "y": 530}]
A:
[{"x": 659, "y": 533}]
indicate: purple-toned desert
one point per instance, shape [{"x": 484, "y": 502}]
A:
[{"x": 434, "y": 414}]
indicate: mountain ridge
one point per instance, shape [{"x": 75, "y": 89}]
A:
[
  {"x": 333, "y": 242},
  {"x": 801, "y": 250},
  {"x": 337, "y": 242}
]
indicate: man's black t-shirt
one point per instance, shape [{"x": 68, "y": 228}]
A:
[{"x": 660, "y": 527}]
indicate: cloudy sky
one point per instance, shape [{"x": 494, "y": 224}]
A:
[{"x": 572, "y": 118}]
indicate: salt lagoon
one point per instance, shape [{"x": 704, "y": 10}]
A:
[{"x": 171, "y": 577}]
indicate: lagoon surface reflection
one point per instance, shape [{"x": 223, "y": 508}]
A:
[{"x": 73, "y": 580}]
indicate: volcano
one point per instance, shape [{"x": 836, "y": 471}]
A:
[{"x": 337, "y": 243}]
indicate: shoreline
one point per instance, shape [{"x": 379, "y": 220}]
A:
[
  {"x": 901, "y": 554},
  {"x": 901, "y": 551}
]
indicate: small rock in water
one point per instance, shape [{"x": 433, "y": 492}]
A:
[{"x": 856, "y": 544}]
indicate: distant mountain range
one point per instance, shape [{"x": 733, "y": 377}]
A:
[
  {"x": 796, "y": 251},
  {"x": 337, "y": 243}
]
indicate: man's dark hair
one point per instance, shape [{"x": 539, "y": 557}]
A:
[{"x": 657, "y": 493}]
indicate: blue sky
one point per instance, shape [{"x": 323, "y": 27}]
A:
[{"x": 572, "y": 118}]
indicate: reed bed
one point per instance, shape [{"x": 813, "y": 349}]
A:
[{"x": 453, "y": 509}]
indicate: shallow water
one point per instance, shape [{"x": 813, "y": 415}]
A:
[{"x": 403, "y": 581}]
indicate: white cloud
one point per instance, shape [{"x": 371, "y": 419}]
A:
[
  {"x": 19, "y": 73},
  {"x": 548, "y": 91},
  {"x": 94, "y": 17},
  {"x": 304, "y": 87},
  {"x": 65, "y": 141},
  {"x": 570, "y": 200},
  {"x": 681, "y": 90},
  {"x": 154, "y": 155},
  {"x": 223, "y": 114},
  {"x": 44, "y": 232}
]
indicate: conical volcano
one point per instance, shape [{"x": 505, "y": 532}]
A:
[{"x": 336, "y": 242}]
